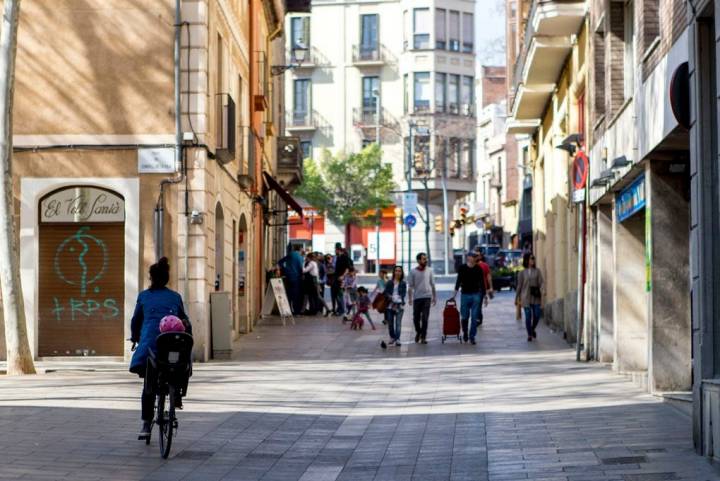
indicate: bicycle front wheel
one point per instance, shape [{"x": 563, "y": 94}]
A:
[{"x": 165, "y": 421}]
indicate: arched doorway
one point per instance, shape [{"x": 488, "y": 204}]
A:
[
  {"x": 219, "y": 247},
  {"x": 243, "y": 318},
  {"x": 81, "y": 281}
]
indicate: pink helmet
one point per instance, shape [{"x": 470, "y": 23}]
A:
[{"x": 171, "y": 323}]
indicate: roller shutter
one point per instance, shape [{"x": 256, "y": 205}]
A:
[{"x": 81, "y": 289}]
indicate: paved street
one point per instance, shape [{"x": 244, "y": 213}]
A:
[{"x": 318, "y": 402}]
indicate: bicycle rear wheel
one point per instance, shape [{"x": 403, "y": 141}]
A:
[{"x": 166, "y": 420}]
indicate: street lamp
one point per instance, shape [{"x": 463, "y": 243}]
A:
[{"x": 297, "y": 57}]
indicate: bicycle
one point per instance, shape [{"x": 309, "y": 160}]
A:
[{"x": 168, "y": 370}]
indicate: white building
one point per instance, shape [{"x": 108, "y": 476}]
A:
[{"x": 414, "y": 62}]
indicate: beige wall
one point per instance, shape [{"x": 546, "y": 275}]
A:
[{"x": 95, "y": 66}]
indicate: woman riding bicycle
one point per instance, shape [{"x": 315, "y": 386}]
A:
[{"x": 153, "y": 304}]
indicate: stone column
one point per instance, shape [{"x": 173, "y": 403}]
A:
[
  {"x": 670, "y": 325},
  {"x": 630, "y": 297},
  {"x": 606, "y": 294}
]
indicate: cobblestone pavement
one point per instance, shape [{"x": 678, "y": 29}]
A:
[{"x": 318, "y": 402}]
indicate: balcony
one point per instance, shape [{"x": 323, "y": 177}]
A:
[
  {"x": 289, "y": 161},
  {"x": 301, "y": 121},
  {"x": 547, "y": 44},
  {"x": 369, "y": 55},
  {"x": 367, "y": 117}
]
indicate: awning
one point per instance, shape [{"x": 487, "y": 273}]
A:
[{"x": 289, "y": 200}]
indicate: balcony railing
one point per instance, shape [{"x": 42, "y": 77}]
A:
[
  {"x": 368, "y": 54},
  {"x": 301, "y": 120},
  {"x": 367, "y": 117}
]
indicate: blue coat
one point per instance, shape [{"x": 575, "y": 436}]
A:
[
  {"x": 152, "y": 305},
  {"x": 292, "y": 266}
]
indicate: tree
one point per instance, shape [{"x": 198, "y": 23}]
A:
[
  {"x": 19, "y": 357},
  {"x": 347, "y": 187}
]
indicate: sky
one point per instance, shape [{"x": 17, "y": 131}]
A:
[{"x": 490, "y": 31}]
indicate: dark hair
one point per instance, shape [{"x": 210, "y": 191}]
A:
[
  {"x": 417, "y": 257},
  {"x": 526, "y": 259},
  {"x": 351, "y": 269},
  {"x": 297, "y": 247},
  {"x": 402, "y": 272},
  {"x": 159, "y": 274},
  {"x": 362, "y": 289},
  {"x": 384, "y": 272}
]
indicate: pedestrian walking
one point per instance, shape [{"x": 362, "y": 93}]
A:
[
  {"x": 330, "y": 280},
  {"x": 363, "y": 310},
  {"x": 322, "y": 281},
  {"x": 342, "y": 264},
  {"x": 421, "y": 294},
  {"x": 153, "y": 304},
  {"x": 528, "y": 294},
  {"x": 471, "y": 283},
  {"x": 395, "y": 291}
]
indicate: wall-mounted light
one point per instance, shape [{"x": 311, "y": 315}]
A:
[
  {"x": 571, "y": 144},
  {"x": 297, "y": 57},
  {"x": 620, "y": 162}
]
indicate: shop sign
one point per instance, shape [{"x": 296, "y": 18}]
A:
[
  {"x": 82, "y": 204},
  {"x": 156, "y": 160},
  {"x": 631, "y": 199}
]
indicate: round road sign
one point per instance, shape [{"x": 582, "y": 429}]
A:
[
  {"x": 580, "y": 170},
  {"x": 410, "y": 220}
]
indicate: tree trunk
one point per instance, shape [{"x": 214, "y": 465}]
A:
[{"x": 19, "y": 357}]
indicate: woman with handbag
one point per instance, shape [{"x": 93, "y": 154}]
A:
[
  {"x": 395, "y": 292},
  {"x": 528, "y": 294}
]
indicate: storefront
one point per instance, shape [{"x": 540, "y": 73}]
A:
[{"x": 79, "y": 264}]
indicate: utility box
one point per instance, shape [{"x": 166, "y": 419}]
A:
[{"x": 221, "y": 325}]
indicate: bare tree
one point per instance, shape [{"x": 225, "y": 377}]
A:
[{"x": 19, "y": 357}]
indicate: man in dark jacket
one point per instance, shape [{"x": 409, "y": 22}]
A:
[
  {"x": 342, "y": 265},
  {"x": 292, "y": 269}
]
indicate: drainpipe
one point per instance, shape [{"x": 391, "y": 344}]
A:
[{"x": 179, "y": 164}]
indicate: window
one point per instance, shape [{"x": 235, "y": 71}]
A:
[
  {"x": 440, "y": 29},
  {"x": 422, "y": 91},
  {"x": 300, "y": 32},
  {"x": 440, "y": 92},
  {"x": 306, "y": 149},
  {"x": 467, "y": 32},
  {"x": 466, "y": 96},
  {"x": 454, "y": 31},
  {"x": 629, "y": 54},
  {"x": 370, "y": 85},
  {"x": 301, "y": 101},
  {"x": 421, "y": 28},
  {"x": 406, "y": 101},
  {"x": 453, "y": 93},
  {"x": 368, "y": 36}
]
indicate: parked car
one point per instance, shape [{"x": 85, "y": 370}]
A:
[{"x": 508, "y": 258}]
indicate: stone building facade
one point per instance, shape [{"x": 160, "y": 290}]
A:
[{"x": 100, "y": 190}]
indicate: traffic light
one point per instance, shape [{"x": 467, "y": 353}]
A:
[
  {"x": 463, "y": 215},
  {"x": 398, "y": 215},
  {"x": 438, "y": 223}
]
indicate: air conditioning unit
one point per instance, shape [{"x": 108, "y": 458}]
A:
[{"x": 225, "y": 131}]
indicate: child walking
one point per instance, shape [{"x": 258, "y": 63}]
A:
[{"x": 363, "y": 309}]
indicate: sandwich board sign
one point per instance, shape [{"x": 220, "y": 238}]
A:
[{"x": 276, "y": 300}]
